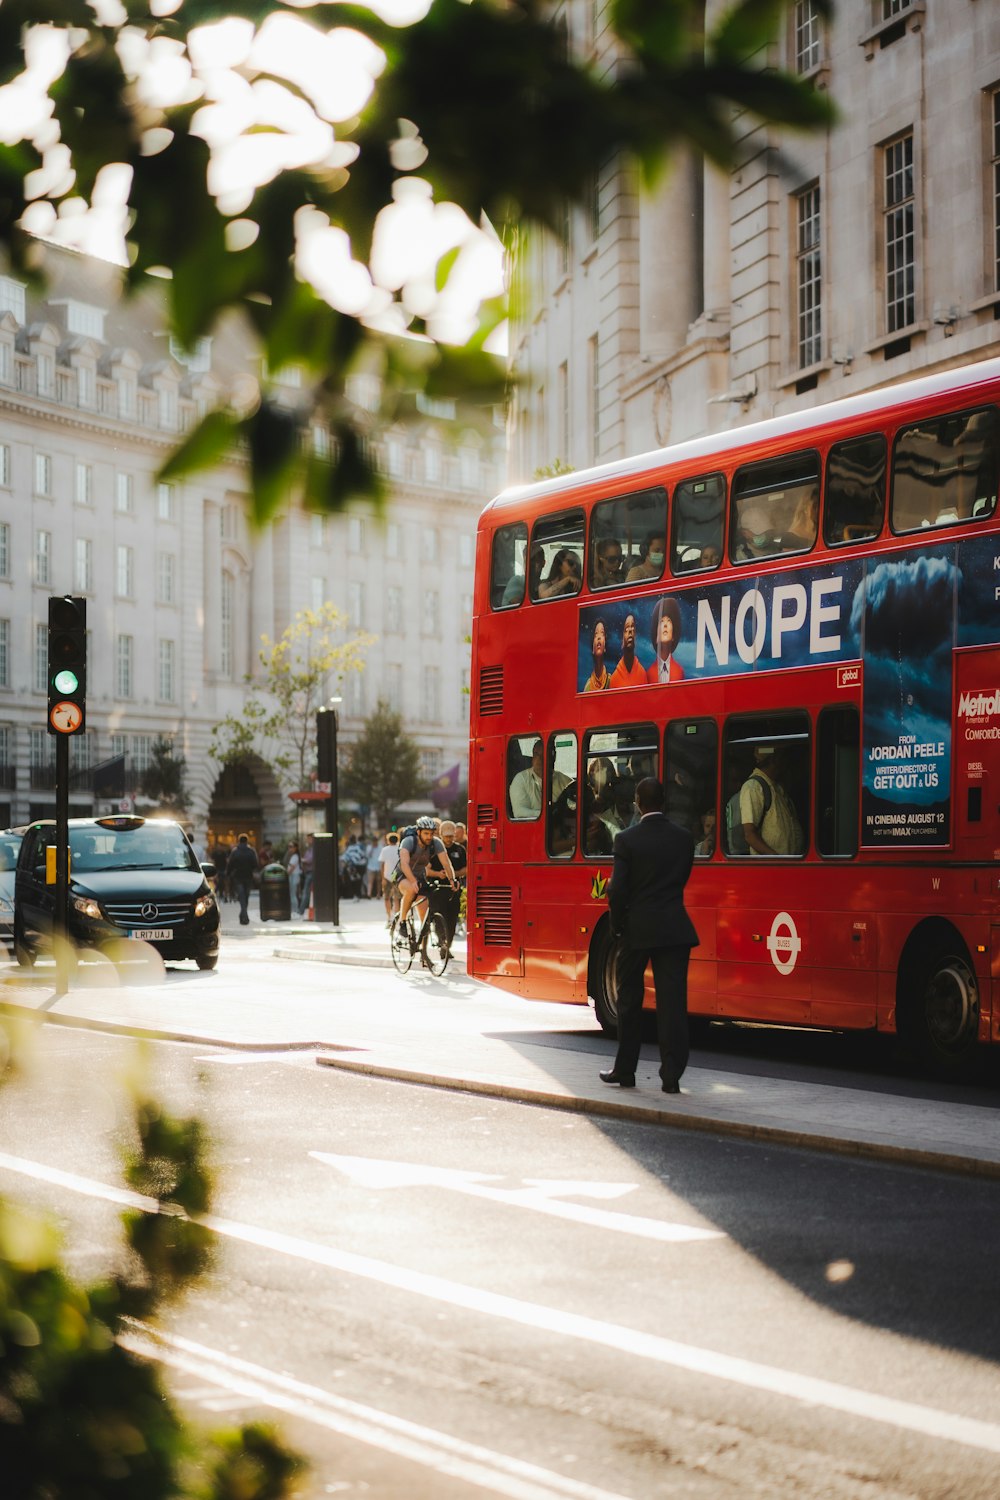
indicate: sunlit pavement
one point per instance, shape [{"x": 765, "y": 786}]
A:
[{"x": 308, "y": 985}]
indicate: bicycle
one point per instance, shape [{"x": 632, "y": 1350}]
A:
[{"x": 431, "y": 942}]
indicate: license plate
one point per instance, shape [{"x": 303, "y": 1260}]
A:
[{"x": 151, "y": 934}]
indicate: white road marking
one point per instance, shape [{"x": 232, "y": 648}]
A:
[
  {"x": 540, "y": 1195},
  {"x": 907, "y": 1416},
  {"x": 435, "y": 1450}
]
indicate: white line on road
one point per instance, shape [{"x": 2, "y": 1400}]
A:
[
  {"x": 907, "y": 1416},
  {"x": 448, "y": 1455},
  {"x": 538, "y": 1195}
]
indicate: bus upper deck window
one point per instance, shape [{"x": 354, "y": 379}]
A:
[
  {"x": 507, "y": 566},
  {"x": 555, "y": 558},
  {"x": 855, "y": 490},
  {"x": 620, "y": 530},
  {"x": 944, "y": 470},
  {"x": 775, "y": 507},
  {"x": 699, "y": 517}
]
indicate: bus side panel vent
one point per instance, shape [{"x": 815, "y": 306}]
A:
[
  {"x": 491, "y": 690},
  {"x": 494, "y": 908},
  {"x": 486, "y": 815}
]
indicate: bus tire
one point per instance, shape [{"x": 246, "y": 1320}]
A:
[
  {"x": 937, "y": 1005},
  {"x": 603, "y": 977}
]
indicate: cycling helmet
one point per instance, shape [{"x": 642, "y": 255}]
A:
[{"x": 426, "y": 822}]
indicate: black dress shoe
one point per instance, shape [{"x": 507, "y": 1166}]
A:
[
  {"x": 671, "y": 1086},
  {"x": 624, "y": 1080}
]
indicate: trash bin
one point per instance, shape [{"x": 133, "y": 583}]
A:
[{"x": 275, "y": 900}]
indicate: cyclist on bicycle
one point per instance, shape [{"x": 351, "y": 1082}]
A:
[{"x": 416, "y": 852}]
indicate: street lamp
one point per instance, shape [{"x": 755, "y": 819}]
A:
[{"x": 326, "y": 765}]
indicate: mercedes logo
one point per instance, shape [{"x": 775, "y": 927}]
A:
[{"x": 149, "y": 911}]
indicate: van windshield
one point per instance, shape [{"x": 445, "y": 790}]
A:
[{"x": 148, "y": 847}]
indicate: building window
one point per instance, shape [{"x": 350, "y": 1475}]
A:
[
  {"x": 6, "y": 362},
  {"x": 432, "y": 463},
  {"x": 892, "y": 8},
  {"x": 126, "y": 396},
  {"x": 5, "y": 656},
  {"x": 392, "y": 540},
  {"x": 431, "y": 613},
  {"x": 356, "y": 695},
  {"x": 317, "y": 591},
  {"x": 46, "y": 367},
  {"x": 41, "y": 658},
  {"x": 124, "y": 572},
  {"x": 429, "y": 544},
  {"x": 124, "y": 492},
  {"x": 465, "y": 550},
  {"x": 43, "y": 557},
  {"x": 355, "y": 534},
  {"x": 808, "y": 277},
  {"x": 86, "y": 385},
  {"x": 996, "y": 188},
  {"x": 83, "y": 565},
  {"x": 432, "y": 695},
  {"x": 356, "y": 604},
  {"x": 394, "y": 684},
  {"x": 226, "y": 644},
  {"x": 807, "y": 36},
  {"x": 900, "y": 248},
  {"x": 393, "y": 610},
  {"x": 43, "y": 474},
  {"x": 317, "y": 531},
  {"x": 167, "y": 403},
  {"x": 4, "y": 549},
  {"x": 167, "y": 651},
  {"x": 4, "y": 464},
  {"x": 166, "y": 578},
  {"x": 123, "y": 666},
  {"x": 165, "y": 502},
  {"x": 12, "y": 297},
  {"x": 84, "y": 484}
]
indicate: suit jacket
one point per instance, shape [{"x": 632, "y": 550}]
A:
[{"x": 653, "y": 860}]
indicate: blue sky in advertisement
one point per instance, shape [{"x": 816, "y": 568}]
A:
[{"x": 762, "y": 624}]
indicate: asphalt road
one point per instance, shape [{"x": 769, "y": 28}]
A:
[{"x": 446, "y": 1295}]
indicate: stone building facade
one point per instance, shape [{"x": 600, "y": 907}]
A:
[
  {"x": 821, "y": 266},
  {"x": 180, "y": 587}
]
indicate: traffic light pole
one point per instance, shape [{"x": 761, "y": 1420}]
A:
[{"x": 60, "y": 924}]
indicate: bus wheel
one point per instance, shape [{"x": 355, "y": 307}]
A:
[
  {"x": 938, "y": 1011},
  {"x": 604, "y": 981}
]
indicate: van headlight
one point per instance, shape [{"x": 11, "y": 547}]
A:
[
  {"x": 87, "y": 907},
  {"x": 204, "y": 904}
]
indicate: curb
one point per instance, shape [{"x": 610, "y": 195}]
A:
[
  {"x": 358, "y": 960},
  {"x": 936, "y": 1161}
]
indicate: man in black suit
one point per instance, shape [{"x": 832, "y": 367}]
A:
[{"x": 652, "y": 863}]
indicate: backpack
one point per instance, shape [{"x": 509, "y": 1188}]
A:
[{"x": 736, "y": 839}]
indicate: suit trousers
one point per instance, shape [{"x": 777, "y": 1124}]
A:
[{"x": 670, "y": 970}]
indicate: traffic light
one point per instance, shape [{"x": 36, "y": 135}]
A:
[{"x": 67, "y": 675}]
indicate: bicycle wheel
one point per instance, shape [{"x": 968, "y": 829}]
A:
[
  {"x": 436, "y": 944},
  {"x": 400, "y": 946}
]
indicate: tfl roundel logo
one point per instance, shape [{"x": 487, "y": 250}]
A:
[{"x": 784, "y": 943}]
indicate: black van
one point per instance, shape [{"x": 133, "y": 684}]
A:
[{"x": 129, "y": 877}]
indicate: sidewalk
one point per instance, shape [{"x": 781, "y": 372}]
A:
[{"x": 457, "y": 1034}]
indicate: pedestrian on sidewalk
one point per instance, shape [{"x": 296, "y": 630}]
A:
[
  {"x": 389, "y": 861},
  {"x": 293, "y": 864},
  {"x": 308, "y": 857},
  {"x": 653, "y": 860},
  {"x": 241, "y": 867},
  {"x": 374, "y": 875}
]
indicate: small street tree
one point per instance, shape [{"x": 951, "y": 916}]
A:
[
  {"x": 165, "y": 778},
  {"x": 298, "y": 674},
  {"x": 383, "y": 768}
]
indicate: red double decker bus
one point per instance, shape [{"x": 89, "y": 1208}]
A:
[{"x": 796, "y": 626}]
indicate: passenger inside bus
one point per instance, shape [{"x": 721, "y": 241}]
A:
[
  {"x": 756, "y": 534},
  {"x": 802, "y": 531},
  {"x": 608, "y": 561},
  {"x": 654, "y": 552},
  {"x": 565, "y": 576}
]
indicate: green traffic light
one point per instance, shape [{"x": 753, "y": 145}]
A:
[{"x": 66, "y": 681}]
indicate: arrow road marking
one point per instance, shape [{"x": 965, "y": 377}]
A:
[
  {"x": 536, "y": 1317},
  {"x": 539, "y": 1195}
]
